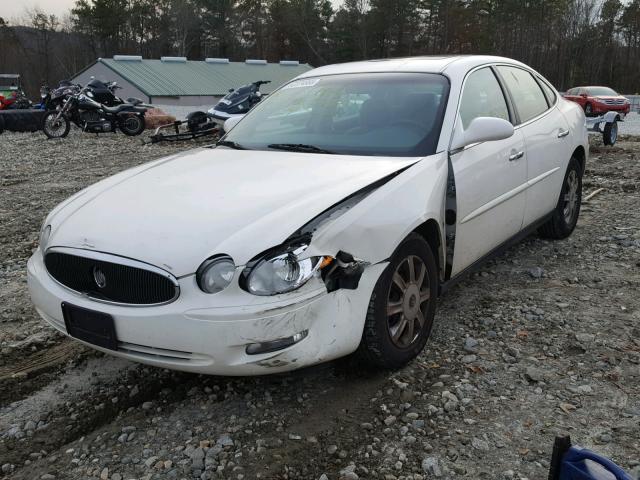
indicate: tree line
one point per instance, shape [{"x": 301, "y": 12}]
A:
[{"x": 571, "y": 42}]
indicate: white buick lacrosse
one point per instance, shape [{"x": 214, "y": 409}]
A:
[{"x": 326, "y": 221}]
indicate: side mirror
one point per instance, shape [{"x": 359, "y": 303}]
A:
[
  {"x": 232, "y": 122},
  {"x": 482, "y": 129}
]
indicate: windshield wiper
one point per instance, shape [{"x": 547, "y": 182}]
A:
[
  {"x": 230, "y": 144},
  {"x": 298, "y": 147}
]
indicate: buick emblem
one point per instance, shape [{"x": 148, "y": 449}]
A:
[{"x": 99, "y": 277}]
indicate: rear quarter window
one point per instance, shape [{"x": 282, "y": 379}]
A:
[{"x": 527, "y": 95}]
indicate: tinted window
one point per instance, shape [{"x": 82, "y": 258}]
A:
[
  {"x": 548, "y": 91},
  {"x": 387, "y": 114},
  {"x": 525, "y": 91},
  {"x": 482, "y": 97}
]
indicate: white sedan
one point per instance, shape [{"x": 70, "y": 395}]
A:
[{"x": 327, "y": 221}]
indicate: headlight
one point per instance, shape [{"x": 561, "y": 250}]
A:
[
  {"x": 282, "y": 272},
  {"x": 45, "y": 233},
  {"x": 215, "y": 274}
]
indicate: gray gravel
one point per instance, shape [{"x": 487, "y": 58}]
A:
[
  {"x": 631, "y": 124},
  {"x": 542, "y": 341}
]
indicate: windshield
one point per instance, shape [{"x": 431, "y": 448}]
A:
[
  {"x": 387, "y": 114},
  {"x": 602, "y": 91},
  {"x": 239, "y": 92}
]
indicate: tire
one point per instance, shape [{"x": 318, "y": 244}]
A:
[
  {"x": 565, "y": 216},
  {"x": 588, "y": 110},
  {"x": 195, "y": 120},
  {"x": 387, "y": 341},
  {"x": 1, "y": 125},
  {"x": 58, "y": 130},
  {"x": 610, "y": 134},
  {"x": 131, "y": 125}
]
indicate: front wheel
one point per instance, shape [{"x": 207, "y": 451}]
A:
[
  {"x": 54, "y": 126},
  {"x": 131, "y": 125},
  {"x": 565, "y": 216},
  {"x": 402, "y": 306},
  {"x": 588, "y": 110}
]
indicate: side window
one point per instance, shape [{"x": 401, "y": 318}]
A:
[
  {"x": 525, "y": 91},
  {"x": 482, "y": 97},
  {"x": 548, "y": 91}
]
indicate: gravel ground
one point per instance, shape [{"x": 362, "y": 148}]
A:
[
  {"x": 542, "y": 341},
  {"x": 631, "y": 124}
]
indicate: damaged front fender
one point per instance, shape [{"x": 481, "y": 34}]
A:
[{"x": 372, "y": 229}]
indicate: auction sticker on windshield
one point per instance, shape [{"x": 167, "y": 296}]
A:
[{"x": 305, "y": 82}]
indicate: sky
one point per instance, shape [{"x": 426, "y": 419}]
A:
[{"x": 13, "y": 9}]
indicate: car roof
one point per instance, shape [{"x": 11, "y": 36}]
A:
[{"x": 426, "y": 64}]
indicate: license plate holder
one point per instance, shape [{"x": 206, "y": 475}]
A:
[{"x": 96, "y": 328}]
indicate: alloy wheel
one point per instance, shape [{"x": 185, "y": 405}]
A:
[
  {"x": 570, "y": 197},
  {"x": 408, "y": 301}
]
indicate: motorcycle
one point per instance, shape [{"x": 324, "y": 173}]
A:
[
  {"x": 17, "y": 100},
  {"x": 101, "y": 92},
  {"x": 236, "y": 103},
  {"x": 54, "y": 98},
  {"x": 91, "y": 116},
  {"x": 105, "y": 93}
]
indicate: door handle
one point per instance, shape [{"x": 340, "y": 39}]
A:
[
  {"x": 563, "y": 133},
  {"x": 516, "y": 156}
]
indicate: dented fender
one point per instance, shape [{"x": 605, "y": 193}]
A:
[{"x": 373, "y": 228}]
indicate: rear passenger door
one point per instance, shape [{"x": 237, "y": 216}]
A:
[
  {"x": 489, "y": 177},
  {"x": 545, "y": 133}
]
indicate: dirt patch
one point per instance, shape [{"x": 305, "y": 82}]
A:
[{"x": 542, "y": 341}]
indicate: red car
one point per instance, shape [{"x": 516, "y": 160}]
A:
[{"x": 597, "y": 100}]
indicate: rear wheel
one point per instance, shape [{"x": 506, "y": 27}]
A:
[
  {"x": 54, "y": 126},
  {"x": 402, "y": 306},
  {"x": 610, "y": 134},
  {"x": 565, "y": 216},
  {"x": 1, "y": 125},
  {"x": 131, "y": 125}
]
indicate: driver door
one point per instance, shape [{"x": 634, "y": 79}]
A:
[{"x": 490, "y": 177}]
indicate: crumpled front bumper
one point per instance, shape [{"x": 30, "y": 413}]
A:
[{"x": 184, "y": 336}]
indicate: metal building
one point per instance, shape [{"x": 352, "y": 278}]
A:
[{"x": 178, "y": 82}]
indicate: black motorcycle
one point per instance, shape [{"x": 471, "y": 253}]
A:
[
  {"x": 105, "y": 93},
  {"x": 54, "y": 98},
  {"x": 91, "y": 116},
  {"x": 101, "y": 92}
]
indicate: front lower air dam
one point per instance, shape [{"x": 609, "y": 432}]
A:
[{"x": 275, "y": 345}]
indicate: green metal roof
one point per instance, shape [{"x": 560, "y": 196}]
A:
[{"x": 176, "y": 77}]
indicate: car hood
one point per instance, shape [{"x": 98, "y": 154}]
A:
[{"x": 176, "y": 212}]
